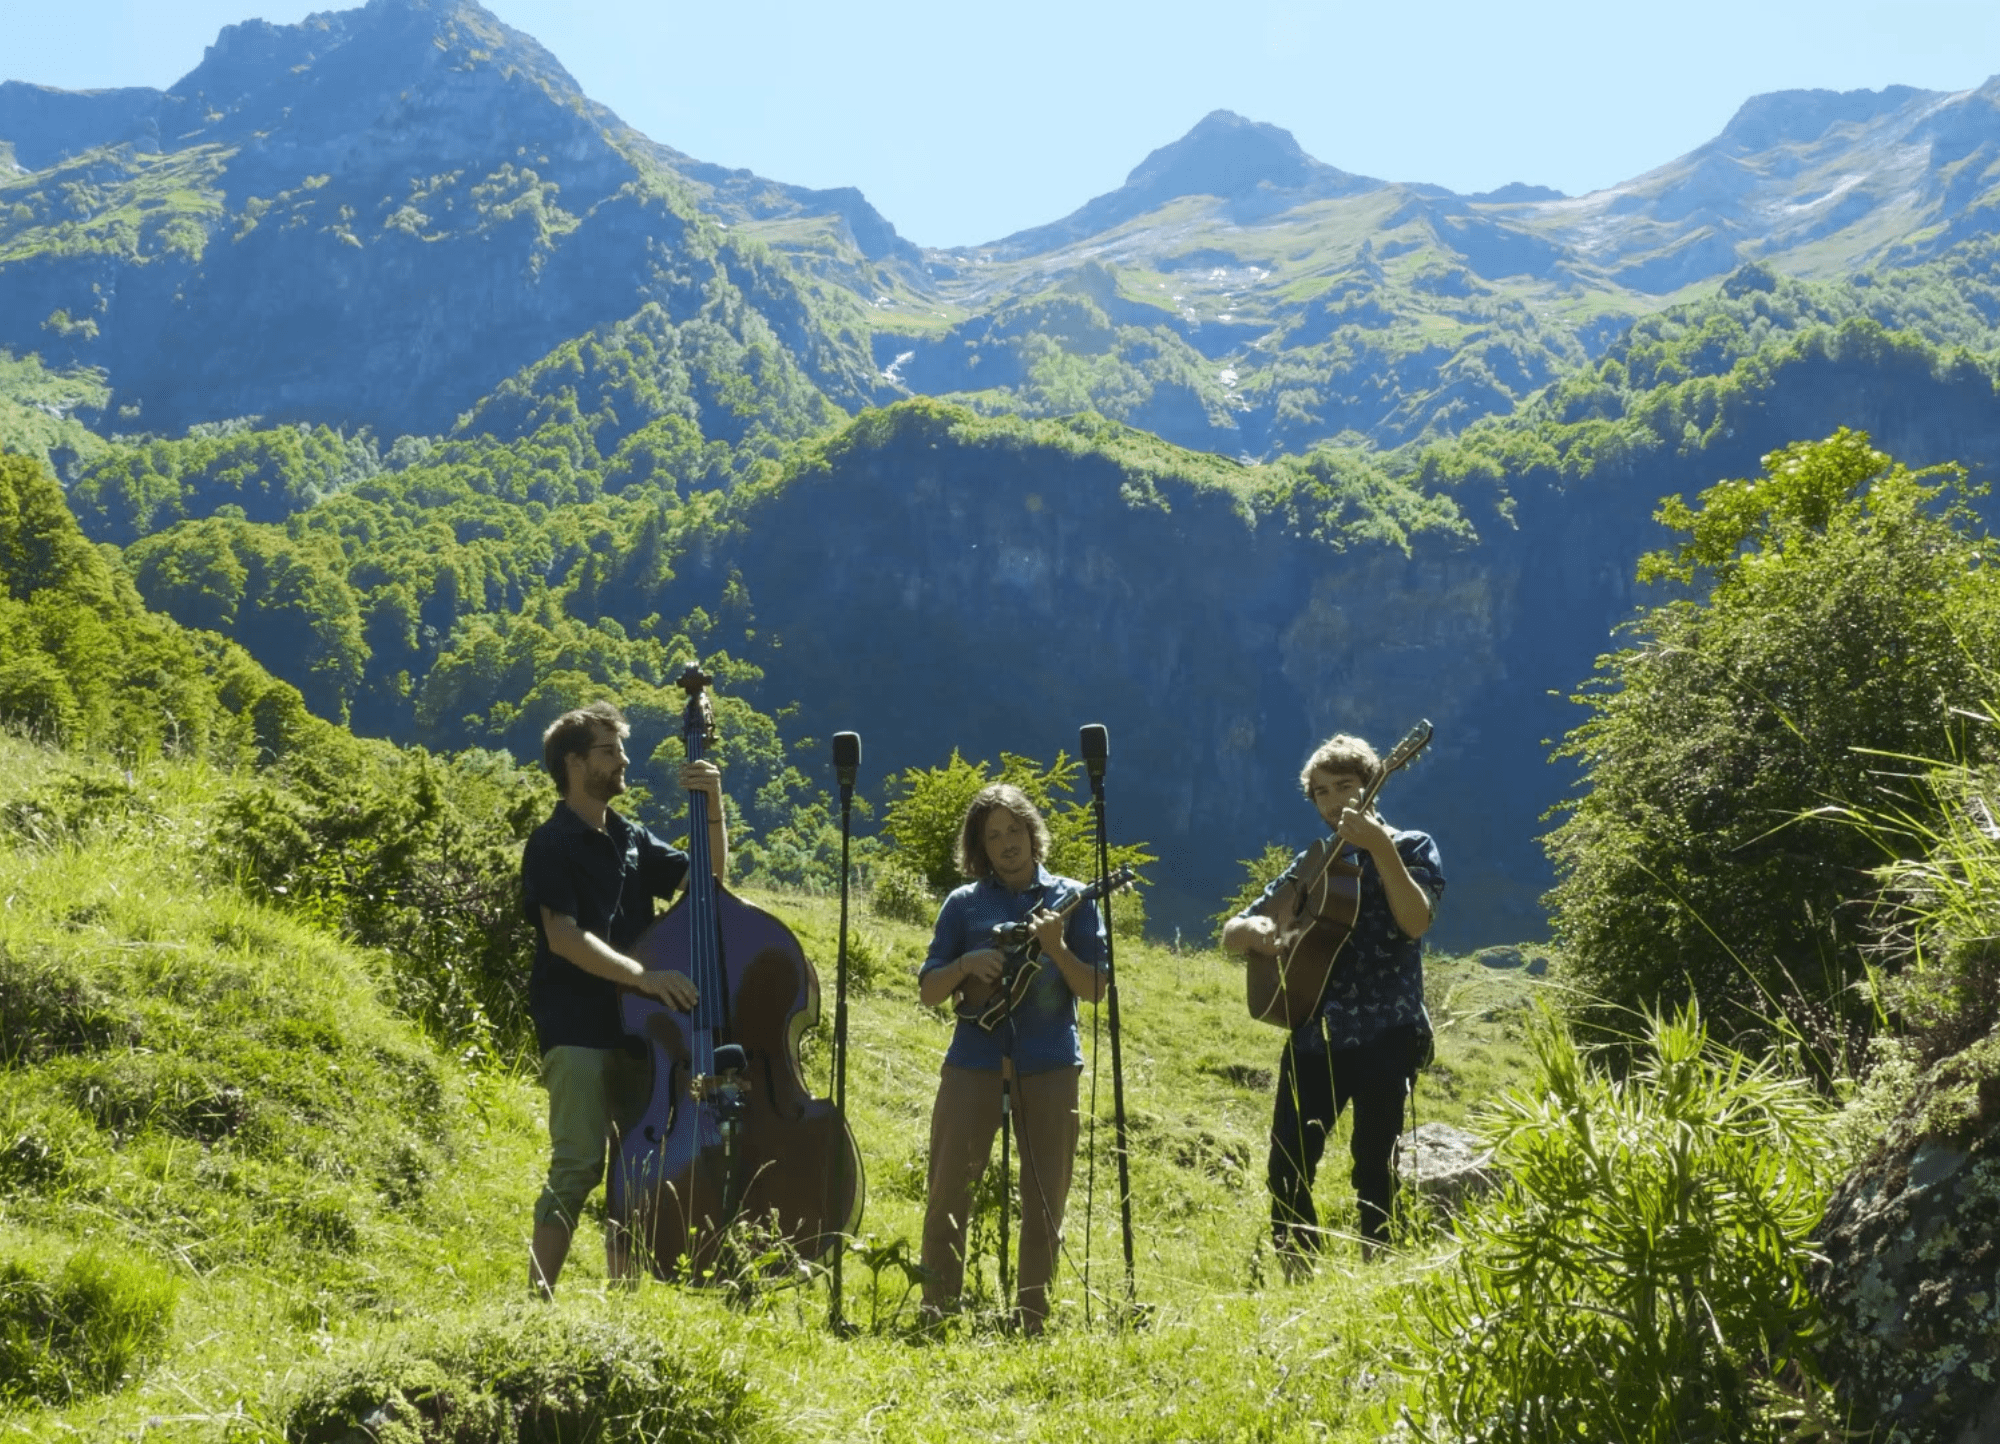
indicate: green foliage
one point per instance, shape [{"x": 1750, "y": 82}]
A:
[
  {"x": 83, "y": 663},
  {"x": 1643, "y": 1273},
  {"x": 926, "y": 809},
  {"x": 1848, "y": 609},
  {"x": 529, "y": 1374},
  {"x": 416, "y": 855},
  {"x": 1259, "y": 872},
  {"x": 138, "y": 489},
  {"x": 902, "y": 895},
  {"x": 1938, "y": 915},
  {"x": 84, "y": 1329}
]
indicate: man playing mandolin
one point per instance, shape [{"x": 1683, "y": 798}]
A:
[
  {"x": 1364, "y": 1041},
  {"x": 588, "y": 879},
  {"x": 1001, "y": 842}
]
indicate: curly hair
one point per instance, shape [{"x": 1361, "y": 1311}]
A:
[
  {"x": 1341, "y": 753},
  {"x": 970, "y": 853}
]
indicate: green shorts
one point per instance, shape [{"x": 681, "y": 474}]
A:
[{"x": 593, "y": 1094}]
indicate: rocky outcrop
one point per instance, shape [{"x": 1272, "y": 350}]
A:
[
  {"x": 1911, "y": 1278},
  {"x": 1445, "y": 1165}
]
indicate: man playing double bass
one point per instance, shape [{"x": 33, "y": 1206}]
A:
[
  {"x": 1364, "y": 1042},
  {"x": 589, "y": 878}
]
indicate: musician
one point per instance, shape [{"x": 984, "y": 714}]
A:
[
  {"x": 589, "y": 878},
  {"x": 1001, "y": 843},
  {"x": 1364, "y": 1044}
]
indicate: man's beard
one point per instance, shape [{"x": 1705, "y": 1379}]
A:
[{"x": 604, "y": 786}]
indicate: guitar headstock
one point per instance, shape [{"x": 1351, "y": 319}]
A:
[
  {"x": 1405, "y": 752},
  {"x": 698, "y": 718}
]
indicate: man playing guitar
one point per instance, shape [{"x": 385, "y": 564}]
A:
[{"x": 1364, "y": 1040}]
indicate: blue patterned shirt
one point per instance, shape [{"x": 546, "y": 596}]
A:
[
  {"x": 1041, "y": 1032},
  {"x": 1378, "y": 979}
]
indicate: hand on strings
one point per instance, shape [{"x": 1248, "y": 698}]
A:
[
  {"x": 1254, "y": 934},
  {"x": 1362, "y": 830},
  {"x": 982, "y": 967},
  {"x": 704, "y": 776},
  {"x": 676, "y": 990},
  {"x": 1047, "y": 926}
]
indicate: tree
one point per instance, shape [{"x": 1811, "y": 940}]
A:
[{"x": 1847, "y": 610}]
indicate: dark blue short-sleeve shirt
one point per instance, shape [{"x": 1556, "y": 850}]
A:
[
  {"x": 606, "y": 881},
  {"x": 1378, "y": 980},
  {"x": 1041, "y": 1032}
]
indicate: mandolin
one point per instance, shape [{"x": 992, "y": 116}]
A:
[
  {"x": 1315, "y": 913},
  {"x": 989, "y": 1004}
]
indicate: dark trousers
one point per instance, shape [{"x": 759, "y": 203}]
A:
[{"x": 1313, "y": 1088}]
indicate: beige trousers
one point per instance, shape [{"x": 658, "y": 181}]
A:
[{"x": 963, "y": 1122}]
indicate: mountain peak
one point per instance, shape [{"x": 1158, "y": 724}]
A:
[
  {"x": 1255, "y": 167},
  {"x": 1794, "y": 117},
  {"x": 1226, "y": 155}
]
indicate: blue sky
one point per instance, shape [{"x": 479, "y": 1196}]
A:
[{"x": 965, "y": 122}]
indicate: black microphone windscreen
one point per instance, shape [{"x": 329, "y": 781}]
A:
[
  {"x": 1095, "y": 741},
  {"x": 730, "y": 1058},
  {"x": 847, "y": 749}
]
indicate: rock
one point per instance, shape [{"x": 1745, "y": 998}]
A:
[
  {"x": 1537, "y": 967},
  {"x": 1445, "y": 1164},
  {"x": 1499, "y": 957},
  {"x": 1911, "y": 1286}
]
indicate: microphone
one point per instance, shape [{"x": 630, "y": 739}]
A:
[
  {"x": 1095, "y": 741},
  {"x": 730, "y": 1058},
  {"x": 846, "y": 758}
]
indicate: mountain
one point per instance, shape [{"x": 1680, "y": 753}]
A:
[
  {"x": 373, "y": 216},
  {"x": 1816, "y": 182}
]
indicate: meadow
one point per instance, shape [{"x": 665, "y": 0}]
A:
[{"x": 243, "y": 1200}]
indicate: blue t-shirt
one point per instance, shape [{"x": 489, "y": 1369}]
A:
[
  {"x": 606, "y": 881},
  {"x": 1041, "y": 1032},
  {"x": 1378, "y": 980}
]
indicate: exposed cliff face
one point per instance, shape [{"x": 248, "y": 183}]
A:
[{"x": 933, "y": 589}]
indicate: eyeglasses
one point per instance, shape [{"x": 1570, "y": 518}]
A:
[{"x": 610, "y": 747}]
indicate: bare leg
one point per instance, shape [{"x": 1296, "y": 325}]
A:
[{"x": 546, "y": 1253}]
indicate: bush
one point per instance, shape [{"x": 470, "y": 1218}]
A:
[
  {"x": 83, "y": 1330},
  {"x": 902, "y": 896},
  {"x": 527, "y": 1375},
  {"x": 1849, "y": 602},
  {"x": 928, "y": 805},
  {"x": 1643, "y": 1275}
]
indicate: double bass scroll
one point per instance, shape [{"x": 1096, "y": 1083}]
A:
[{"x": 730, "y": 1130}]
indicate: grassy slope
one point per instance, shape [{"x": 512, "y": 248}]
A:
[{"x": 360, "y": 1186}]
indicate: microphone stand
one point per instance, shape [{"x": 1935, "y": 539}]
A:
[
  {"x": 1096, "y": 749},
  {"x": 846, "y": 762}
]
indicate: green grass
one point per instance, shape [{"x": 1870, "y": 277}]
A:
[{"x": 216, "y": 1092}]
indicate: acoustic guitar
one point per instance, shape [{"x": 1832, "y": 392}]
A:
[{"x": 1315, "y": 914}]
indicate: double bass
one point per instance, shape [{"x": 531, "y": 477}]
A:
[
  {"x": 730, "y": 1131},
  {"x": 1315, "y": 912}
]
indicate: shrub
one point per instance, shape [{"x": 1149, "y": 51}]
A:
[
  {"x": 527, "y": 1375},
  {"x": 81, "y": 1331},
  {"x": 928, "y": 805},
  {"x": 902, "y": 895},
  {"x": 1643, "y": 1275},
  {"x": 1848, "y": 614}
]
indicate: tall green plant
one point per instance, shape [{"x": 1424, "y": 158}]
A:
[
  {"x": 1642, "y": 1274},
  {"x": 1846, "y": 610},
  {"x": 927, "y": 806}
]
